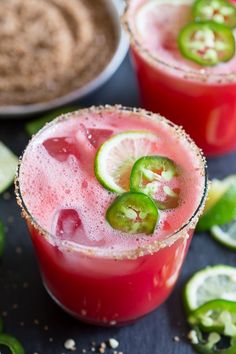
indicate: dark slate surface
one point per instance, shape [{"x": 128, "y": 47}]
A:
[{"x": 25, "y": 303}]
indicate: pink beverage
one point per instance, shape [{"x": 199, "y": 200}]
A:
[
  {"x": 201, "y": 99},
  {"x": 92, "y": 270}
]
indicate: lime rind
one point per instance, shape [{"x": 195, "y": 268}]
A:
[
  {"x": 226, "y": 234},
  {"x": 8, "y": 166},
  {"x": 210, "y": 283},
  {"x": 118, "y": 154},
  {"x": 221, "y": 205},
  {"x": 216, "y": 190}
]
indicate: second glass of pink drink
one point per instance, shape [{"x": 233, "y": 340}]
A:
[
  {"x": 201, "y": 99},
  {"x": 98, "y": 270}
]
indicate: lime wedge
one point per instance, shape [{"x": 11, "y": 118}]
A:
[
  {"x": 34, "y": 126},
  {"x": 2, "y": 242},
  {"x": 221, "y": 204},
  {"x": 210, "y": 283},
  {"x": 225, "y": 234},
  {"x": 115, "y": 158},
  {"x": 8, "y": 166}
]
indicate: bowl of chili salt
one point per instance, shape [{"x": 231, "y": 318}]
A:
[{"x": 56, "y": 51}]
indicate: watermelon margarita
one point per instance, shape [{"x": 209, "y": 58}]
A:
[
  {"x": 91, "y": 268},
  {"x": 201, "y": 99}
]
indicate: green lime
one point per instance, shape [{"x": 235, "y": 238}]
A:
[
  {"x": 221, "y": 204},
  {"x": 115, "y": 158},
  {"x": 225, "y": 234},
  {"x": 210, "y": 283},
  {"x": 133, "y": 213},
  {"x": 8, "y": 166},
  {"x": 152, "y": 175}
]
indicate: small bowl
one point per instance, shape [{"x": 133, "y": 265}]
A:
[{"x": 19, "y": 111}]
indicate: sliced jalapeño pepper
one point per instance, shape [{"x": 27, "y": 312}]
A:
[
  {"x": 206, "y": 43},
  {"x": 215, "y": 316},
  {"x": 212, "y": 345},
  {"x": 133, "y": 213},
  {"x": 2, "y": 239},
  {"x": 154, "y": 176},
  {"x": 11, "y": 343},
  {"x": 220, "y": 11}
]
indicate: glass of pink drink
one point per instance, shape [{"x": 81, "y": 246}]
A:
[
  {"x": 201, "y": 99},
  {"x": 96, "y": 273}
]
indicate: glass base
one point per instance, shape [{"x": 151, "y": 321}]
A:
[{"x": 86, "y": 319}]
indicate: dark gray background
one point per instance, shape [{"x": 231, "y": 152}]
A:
[{"x": 23, "y": 299}]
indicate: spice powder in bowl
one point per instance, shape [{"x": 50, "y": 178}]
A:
[{"x": 49, "y": 48}]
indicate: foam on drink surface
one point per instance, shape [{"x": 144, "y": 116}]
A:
[
  {"x": 60, "y": 191},
  {"x": 156, "y": 25}
]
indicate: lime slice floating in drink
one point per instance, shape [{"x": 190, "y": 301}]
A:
[
  {"x": 8, "y": 166},
  {"x": 221, "y": 204},
  {"x": 115, "y": 158},
  {"x": 225, "y": 234},
  {"x": 216, "y": 282},
  {"x": 133, "y": 213}
]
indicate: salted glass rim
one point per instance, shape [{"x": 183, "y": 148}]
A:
[
  {"x": 138, "y": 251},
  {"x": 154, "y": 60}
]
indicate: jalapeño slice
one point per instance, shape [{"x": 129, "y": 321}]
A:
[
  {"x": 206, "y": 43},
  {"x": 133, "y": 213},
  {"x": 153, "y": 175},
  {"x": 11, "y": 343},
  {"x": 220, "y": 11},
  {"x": 212, "y": 345},
  {"x": 215, "y": 316}
]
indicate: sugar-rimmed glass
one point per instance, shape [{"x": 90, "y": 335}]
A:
[{"x": 107, "y": 287}]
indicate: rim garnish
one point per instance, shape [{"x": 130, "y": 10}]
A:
[
  {"x": 133, "y": 213},
  {"x": 156, "y": 177},
  {"x": 206, "y": 43},
  {"x": 142, "y": 249},
  {"x": 220, "y": 11}
]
